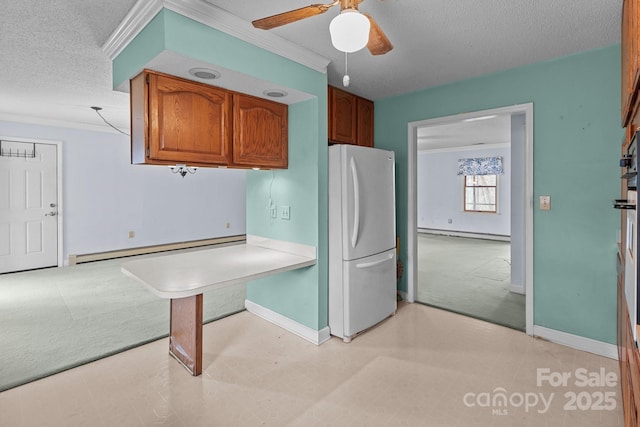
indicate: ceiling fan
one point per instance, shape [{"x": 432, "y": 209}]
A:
[{"x": 350, "y": 30}]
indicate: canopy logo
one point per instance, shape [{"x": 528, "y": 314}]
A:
[
  {"x": 580, "y": 393},
  {"x": 499, "y": 401}
]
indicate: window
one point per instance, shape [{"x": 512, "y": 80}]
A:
[{"x": 480, "y": 192}]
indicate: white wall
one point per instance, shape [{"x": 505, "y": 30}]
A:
[
  {"x": 440, "y": 193},
  {"x": 105, "y": 197}
]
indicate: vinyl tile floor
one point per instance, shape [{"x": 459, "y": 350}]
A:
[{"x": 421, "y": 367}]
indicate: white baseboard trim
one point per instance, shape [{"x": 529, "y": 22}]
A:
[
  {"x": 311, "y": 335},
  {"x": 144, "y": 250},
  {"x": 404, "y": 295},
  {"x": 454, "y": 233},
  {"x": 574, "y": 341}
]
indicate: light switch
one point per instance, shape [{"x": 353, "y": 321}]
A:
[{"x": 545, "y": 203}]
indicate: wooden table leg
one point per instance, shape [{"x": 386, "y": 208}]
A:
[{"x": 185, "y": 332}]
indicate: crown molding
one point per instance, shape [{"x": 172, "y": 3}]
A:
[
  {"x": 144, "y": 11},
  {"x": 138, "y": 17}
]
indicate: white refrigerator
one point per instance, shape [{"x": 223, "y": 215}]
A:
[{"x": 362, "y": 230}]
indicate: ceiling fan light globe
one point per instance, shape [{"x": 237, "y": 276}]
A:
[{"x": 349, "y": 31}]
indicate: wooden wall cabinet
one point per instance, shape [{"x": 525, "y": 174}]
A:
[
  {"x": 629, "y": 359},
  {"x": 364, "y": 132},
  {"x": 260, "y": 129},
  {"x": 630, "y": 60},
  {"x": 350, "y": 118},
  {"x": 174, "y": 120},
  {"x": 628, "y": 354}
]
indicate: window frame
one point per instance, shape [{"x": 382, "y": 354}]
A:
[{"x": 464, "y": 195}]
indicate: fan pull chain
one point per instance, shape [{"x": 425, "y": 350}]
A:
[{"x": 345, "y": 79}]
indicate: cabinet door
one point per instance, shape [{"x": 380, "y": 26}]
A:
[
  {"x": 630, "y": 58},
  {"x": 343, "y": 113},
  {"x": 188, "y": 122},
  {"x": 365, "y": 122},
  {"x": 260, "y": 132}
]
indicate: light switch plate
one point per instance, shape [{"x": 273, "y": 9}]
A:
[
  {"x": 545, "y": 203},
  {"x": 285, "y": 212}
]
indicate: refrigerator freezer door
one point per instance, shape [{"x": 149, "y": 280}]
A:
[
  {"x": 369, "y": 199},
  {"x": 369, "y": 292}
]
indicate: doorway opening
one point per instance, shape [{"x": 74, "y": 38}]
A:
[{"x": 507, "y": 233}]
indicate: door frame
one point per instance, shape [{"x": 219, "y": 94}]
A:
[
  {"x": 58, "y": 144},
  {"x": 412, "y": 198}
]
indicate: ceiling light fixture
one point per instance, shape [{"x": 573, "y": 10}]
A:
[
  {"x": 349, "y": 31},
  {"x": 204, "y": 73},
  {"x": 183, "y": 169},
  {"x": 275, "y": 93},
  {"x": 97, "y": 110}
]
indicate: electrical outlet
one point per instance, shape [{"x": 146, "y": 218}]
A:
[
  {"x": 285, "y": 212},
  {"x": 274, "y": 211},
  {"x": 131, "y": 234},
  {"x": 228, "y": 225}
]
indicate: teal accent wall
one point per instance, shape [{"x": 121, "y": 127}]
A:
[
  {"x": 300, "y": 295},
  {"x": 146, "y": 45},
  {"x": 290, "y": 187},
  {"x": 577, "y": 139}
]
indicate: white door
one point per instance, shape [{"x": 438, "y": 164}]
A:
[
  {"x": 369, "y": 197},
  {"x": 28, "y": 206}
]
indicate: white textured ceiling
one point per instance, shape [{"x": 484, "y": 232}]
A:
[
  {"x": 53, "y": 68},
  {"x": 479, "y": 132}
]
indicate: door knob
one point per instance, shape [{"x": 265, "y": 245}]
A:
[
  {"x": 52, "y": 213},
  {"x": 52, "y": 205}
]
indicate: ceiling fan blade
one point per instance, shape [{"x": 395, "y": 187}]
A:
[
  {"x": 292, "y": 16},
  {"x": 378, "y": 43}
]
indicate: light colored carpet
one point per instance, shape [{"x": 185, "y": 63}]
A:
[
  {"x": 57, "y": 318},
  {"x": 469, "y": 276}
]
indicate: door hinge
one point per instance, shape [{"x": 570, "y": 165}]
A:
[
  {"x": 146, "y": 78},
  {"x": 148, "y": 152}
]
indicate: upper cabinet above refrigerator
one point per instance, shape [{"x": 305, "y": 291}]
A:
[{"x": 350, "y": 118}]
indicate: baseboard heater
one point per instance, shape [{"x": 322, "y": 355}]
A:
[
  {"x": 472, "y": 235},
  {"x": 144, "y": 250}
]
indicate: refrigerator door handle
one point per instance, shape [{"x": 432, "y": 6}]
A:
[
  {"x": 356, "y": 204},
  {"x": 374, "y": 263}
]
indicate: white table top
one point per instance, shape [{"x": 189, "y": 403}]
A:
[{"x": 191, "y": 273}]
